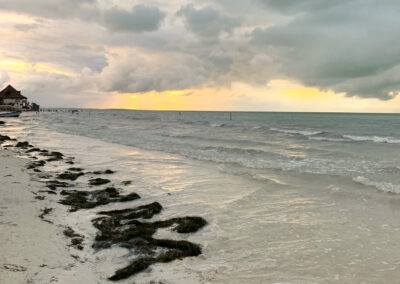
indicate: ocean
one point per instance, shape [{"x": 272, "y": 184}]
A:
[{"x": 289, "y": 197}]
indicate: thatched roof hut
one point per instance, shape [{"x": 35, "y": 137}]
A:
[{"x": 10, "y": 93}]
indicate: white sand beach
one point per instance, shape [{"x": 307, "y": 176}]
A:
[
  {"x": 33, "y": 241},
  {"x": 33, "y": 250}
]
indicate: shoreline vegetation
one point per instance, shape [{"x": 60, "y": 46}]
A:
[{"x": 129, "y": 228}]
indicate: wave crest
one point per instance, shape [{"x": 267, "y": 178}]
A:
[{"x": 381, "y": 186}]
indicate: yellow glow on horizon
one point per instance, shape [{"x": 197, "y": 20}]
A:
[
  {"x": 11, "y": 17},
  {"x": 187, "y": 99},
  {"x": 277, "y": 95},
  {"x": 177, "y": 92},
  {"x": 20, "y": 66},
  {"x": 13, "y": 65},
  {"x": 43, "y": 67},
  {"x": 303, "y": 93}
]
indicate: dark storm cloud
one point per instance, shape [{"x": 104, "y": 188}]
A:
[
  {"x": 133, "y": 71},
  {"x": 295, "y": 6},
  {"x": 349, "y": 47},
  {"x": 85, "y": 9},
  {"x": 140, "y": 19},
  {"x": 207, "y": 22}
]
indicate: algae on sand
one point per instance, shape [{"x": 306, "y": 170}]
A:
[
  {"x": 90, "y": 199},
  {"x": 123, "y": 228}
]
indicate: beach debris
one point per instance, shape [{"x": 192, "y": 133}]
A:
[
  {"x": 4, "y": 138},
  {"x": 14, "y": 267},
  {"x": 44, "y": 176},
  {"x": 122, "y": 227},
  {"x": 2, "y": 123},
  {"x": 54, "y": 184},
  {"x": 76, "y": 239},
  {"x": 106, "y": 172},
  {"x": 48, "y": 191},
  {"x": 53, "y": 156},
  {"x": 90, "y": 199},
  {"x": 23, "y": 145},
  {"x": 75, "y": 169},
  {"x": 98, "y": 181},
  {"x": 36, "y": 164},
  {"x": 33, "y": 150},
  {"x": 70, "y": 175},
  {"x": 126, "y": 228},
  {"x": 45, "y": 211}
]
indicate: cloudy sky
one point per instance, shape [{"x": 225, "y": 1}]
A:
[{"x": 273, "y": 55}]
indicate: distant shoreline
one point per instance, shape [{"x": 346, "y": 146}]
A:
[{"x": 215, "y": 111}]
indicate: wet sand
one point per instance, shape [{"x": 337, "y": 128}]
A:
[{"x": 38, "y": 245}]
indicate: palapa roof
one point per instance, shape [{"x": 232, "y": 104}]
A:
[{"x": 10, "y": 93}]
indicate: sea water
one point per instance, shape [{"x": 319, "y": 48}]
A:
[{"x": 289, "y": 197}]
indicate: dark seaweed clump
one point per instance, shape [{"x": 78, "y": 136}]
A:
[
  {"x": 75, "y": 169},
  {"x": 23, "y": 145},
  {"x": 90, "y": 199},
  {"x": 54, "y": 184},
  {"x": 99, "y": 181},
  {"x": 53, "y": 156},
  {"x": 76, "y": 239},
  {"x": 33, "y": 150},
  {"x": 123, "y": 228},
  {"x": 45, "y": 212},
  {"x": 106, "y": 172},
  {"x": 36, "y": 164},
  {"x": 4, "y": 138},
  {"x": 70, "y": 175}
]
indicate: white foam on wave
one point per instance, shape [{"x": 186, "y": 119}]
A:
[
  {"x": 382, "y": 186},
  {"x": 314, "y": 135},
  {"x": 328, "y": 139},
  {"x": 301, "y": 132},
  {"x": 218, "y": 125},
  {"x": 376, "y": 139}
]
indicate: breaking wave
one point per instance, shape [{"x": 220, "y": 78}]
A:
[
  {"x": 381, "y": 186},
  {"x": 375, "y": 139},
  {"x": 335, "y": 137},
  {"x": 300, "y": 132}
]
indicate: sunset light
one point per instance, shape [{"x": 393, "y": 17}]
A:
[{"x": 199, "y": 142}]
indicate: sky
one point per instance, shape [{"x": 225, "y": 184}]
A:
[{"x": 244, "y": 55}]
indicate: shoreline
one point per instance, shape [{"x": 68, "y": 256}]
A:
[
  {"x": 262, "y": 221},
  {"x": 48, "y": 193}
]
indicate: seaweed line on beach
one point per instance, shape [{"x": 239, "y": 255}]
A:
[{"x": 126, "y": 227}]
